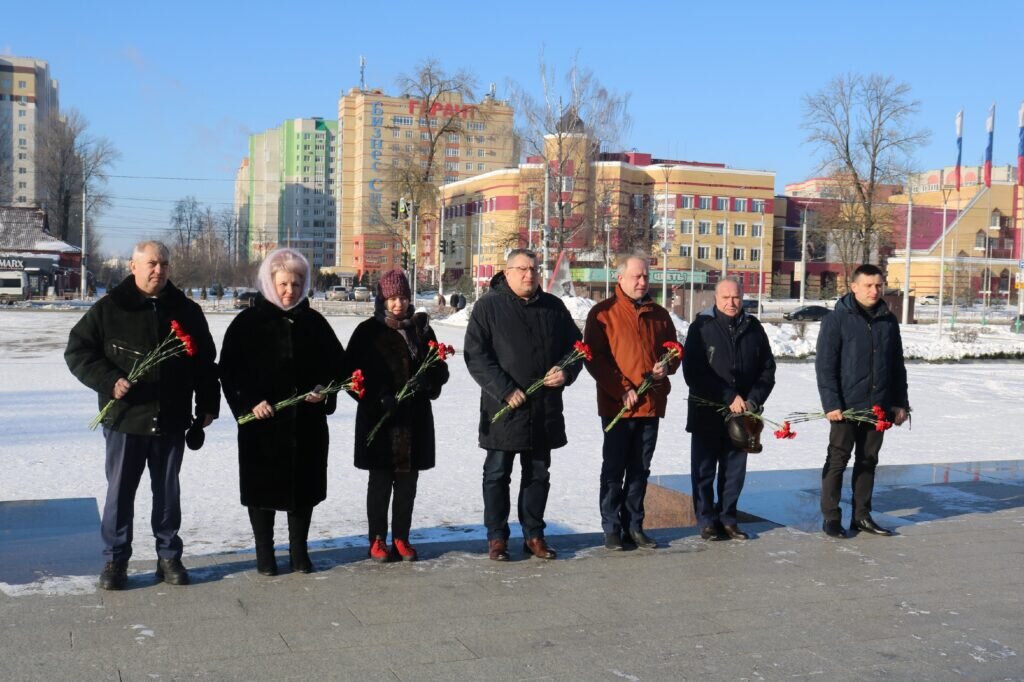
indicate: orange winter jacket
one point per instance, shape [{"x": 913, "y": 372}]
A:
[{"x": 626, "y": 340}]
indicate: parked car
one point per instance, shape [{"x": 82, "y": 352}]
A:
[
  {"x": 361, "y": 294},
  {"x": 928, "y": 299},
  {"x": 751, "y": 308},
  {"x": 245, "y": 299},
  {"x": 811, "y": 313},
  {"x": 13, "y": 286},
  {"x": 339, "y": 293}
]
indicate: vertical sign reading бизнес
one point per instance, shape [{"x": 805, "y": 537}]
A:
[{"x": 376, "y": 151}]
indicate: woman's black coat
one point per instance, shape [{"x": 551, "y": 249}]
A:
[
  {"x": 272, "y": 354},
  {"x": 406, "y": 440}
]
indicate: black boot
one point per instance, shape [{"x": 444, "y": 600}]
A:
[
  {"x": 262, "y": 521},
  {"x": 298, "y": 531}
]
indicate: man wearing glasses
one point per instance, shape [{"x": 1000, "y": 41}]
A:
[{"x": 518, "y": 333}]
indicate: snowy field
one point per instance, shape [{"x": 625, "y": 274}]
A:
[{"x": 46, "y": 450}]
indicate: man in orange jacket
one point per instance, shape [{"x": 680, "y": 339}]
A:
[{"x": 626, "y": 333}]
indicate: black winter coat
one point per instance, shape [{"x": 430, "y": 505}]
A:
[
  {"x": 406, "y": 440},
  {"x": 120, "y": 329},
  {"x": 272, "y": 354},
  {"x": 509, "y": 344},
  {"x": 859, "y": 361},
  {"x": 721, "y": 362}
]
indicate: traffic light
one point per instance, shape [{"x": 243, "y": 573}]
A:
[
  {"x": 394, "y": 210},
  {"x": 403, "y": 208},
  {"x": 444, "y": 246},
  {"x": 405, "y": 260}
]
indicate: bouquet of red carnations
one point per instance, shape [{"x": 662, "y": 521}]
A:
[
  {"x": 175, "y": 343},
  {"x": 674, "y": 350},
  {"x": 579, "y": 352},
  {"x": 875, "y": 416},
  {"x": 782, "y": 431},
  {"x": 354, "y": 384},
  {"x": 436, "y": 352}
]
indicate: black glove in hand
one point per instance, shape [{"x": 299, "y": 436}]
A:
[
  {"x": 417, "y": 384},
  {"x": 388, "y": 402}
]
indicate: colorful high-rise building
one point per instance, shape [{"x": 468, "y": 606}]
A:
[{"x": 28, "y": 97}]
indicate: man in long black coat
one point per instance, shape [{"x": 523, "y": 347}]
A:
[
  {"x": 859, "y": 364},
  {"x": 146, "y": 426},
  {"x": 518, "y": 333}
]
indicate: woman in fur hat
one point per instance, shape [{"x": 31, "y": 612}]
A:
[{"x": 389, "y": 348}]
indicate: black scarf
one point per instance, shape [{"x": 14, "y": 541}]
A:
[{"x": 402, "y": 324}]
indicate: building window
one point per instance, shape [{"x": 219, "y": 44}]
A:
[
  {"x": 755, "y": 230},
  {"x": 687, "y": 201},
  {"x": 741, "y": 205},
  {"x": 473, "y": 125},
  {"x": 479, "y": 166},
  {"x": 453, "y": 137},
  {"x": 758, "y": 206},
  {"x": 395, "y": 132},
  {"x": 704, "y": 227},
  {"x": 22, "y": 128},
  {"x": 684, "y": 251},
  {"x": 22, "y": 84},
  {"x": 401, "y": 120},
  {"x": 755, "y": 255},
  {"x": 705, "y": 203},
  {"x": 567, "y": 184},
  {"x": 451, "y": 151},
  {"x": 451, "y": 165},
  {"x": 702, "y": 252},
  {"x": 718, "y": 253},
  {"x": 738, "y": 253},
  {"x": 721, "y": 204},
  {"x": 479, "y": 152},
  {"x": 469, "y": 166},
  {"x": 720, "y": 228},
  {"x": 686, "y": 226},
  {"x": 739, "y": 229},
  {"x": 22, "y": 113}
]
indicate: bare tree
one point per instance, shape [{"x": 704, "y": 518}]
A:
[
  {"x": 861, "y": 125},
  {"x": 566, "y": 127},
  {"x": 69, "y": 161}
]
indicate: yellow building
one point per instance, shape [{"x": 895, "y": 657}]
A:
[
  {"x": 982, "y": 236},
  {"x": 28, "y": 97},
  {"x": 689, "y": 216},
  {"x": 382, "y": 137}
]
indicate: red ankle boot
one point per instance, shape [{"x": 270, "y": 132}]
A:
[
  {"x": 379, "y": 550},
  {"x": 405, "y": 550}
]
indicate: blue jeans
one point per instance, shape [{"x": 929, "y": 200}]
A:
[
  {"x": 626, "y": 464},
  {"x": 533, "y": 492},
  {"x": 127, "y": 457},
  {"x": 712, "y": 453}
]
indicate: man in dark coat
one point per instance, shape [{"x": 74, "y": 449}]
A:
[
  {"x": 727, "y": 361},
  {"x": 626, "y": 334},
  {"x": 859, "y": 364},
  {"x": 146, "y": 426},
  {"x": 518, "y": 333}
]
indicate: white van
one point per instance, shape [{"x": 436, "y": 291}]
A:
[{"x": 13, "y": 285}]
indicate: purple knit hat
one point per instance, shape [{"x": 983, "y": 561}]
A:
[{"x": 394, "y": 283}]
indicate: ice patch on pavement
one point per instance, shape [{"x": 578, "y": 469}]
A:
[{"x": 53, "y": 586}]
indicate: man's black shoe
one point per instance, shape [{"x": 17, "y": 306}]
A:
[
  {"x": 868, "y": 525},
  {"x": 834, "y": 529},
  {"x": 171, "y": 571},
  {"x": 114, "y": 575},
  {"x": 613, "y": 541},
  {"x": 713, "y": 533},
  {"x": 734, "y": 532},
  {"x": 642, "y": 539}
]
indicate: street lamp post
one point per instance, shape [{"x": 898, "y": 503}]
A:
[
  {"x": 906, "y": 263},
  {"x": 760, "y": 266},
  {"x": 607, "y": 257},
  {"x": 803, "y": 255},
  {"x": 693, "y": 263},
  {"x": 664, "y": 245}
]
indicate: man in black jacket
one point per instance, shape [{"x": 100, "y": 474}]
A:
[
  {"x": 518, "y": 333},
  {"x": 728, "y": 362},
  {"x": 859, "y": 364},
  {"x": 147, "y": 424}
]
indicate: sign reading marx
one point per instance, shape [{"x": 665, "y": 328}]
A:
[{"x": 9, "y": 263}]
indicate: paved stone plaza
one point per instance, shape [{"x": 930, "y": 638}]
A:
[{"x": 942, "y": 600}]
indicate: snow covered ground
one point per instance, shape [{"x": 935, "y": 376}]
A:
[{"x": 46, "y": 451}]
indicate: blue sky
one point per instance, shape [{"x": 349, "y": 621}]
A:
[{"x": 178, "y": 86}]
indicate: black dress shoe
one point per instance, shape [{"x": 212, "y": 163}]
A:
[
  {"x": 833, "y": 529},
  {"x": 734, "y": 532},
  {"x": 713, "y": 533},
  {"x": 642, "y": 539},
  {"x": 868, "y": 525},
  {"x": 114, "y": 575},
  {"x": 613, "y": 541},
  {"x": 299, "y": 560},
  {"x": 171, "y": 571}
]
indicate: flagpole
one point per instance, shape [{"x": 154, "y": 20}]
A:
[{"x": 906, "y": 263}]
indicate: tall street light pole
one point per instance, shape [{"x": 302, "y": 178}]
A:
[
  {"x": 84, "y": 288},
  {"x": 760, "y": 267},
  {"x": 906, "y": 262},
  {"x": 803, "y": 255},
  {"x": 693, "y": 263},
  {"x": 664, "y": 245}
]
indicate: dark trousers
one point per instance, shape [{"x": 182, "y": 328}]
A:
[
  {"x": 533, "y": 492},
  {"x": 127, "y": 456},
  {"x": 378, "y": 496},
  {"x": 712, "y": 453},
  {"x": 864, "y": 442},
  {"x": 625, "y": 466}
]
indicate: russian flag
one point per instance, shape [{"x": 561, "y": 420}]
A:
[
  {"x": 1020, "y": 145},
  {"x": 959, "y": 146},
  {"x": 990, "y": 124}
]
